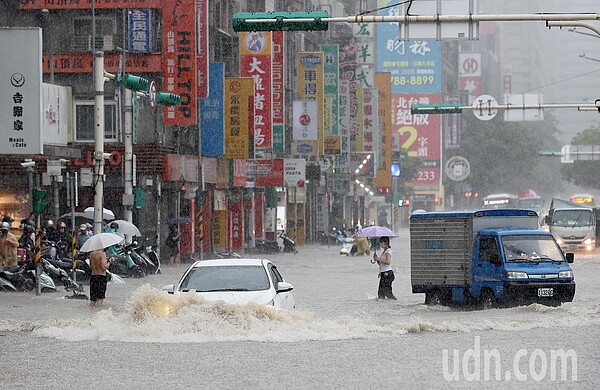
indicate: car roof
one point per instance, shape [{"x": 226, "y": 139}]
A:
[{"x": 230, "y": 262}]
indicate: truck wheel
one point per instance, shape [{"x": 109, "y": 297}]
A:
[
  {"x": 488, "y": 301},
  {"x": 434, "y": 298}
]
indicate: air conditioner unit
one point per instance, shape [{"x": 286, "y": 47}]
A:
[
  {"x": 106, "y": 43},
  {"x": 84, "y": 43}
]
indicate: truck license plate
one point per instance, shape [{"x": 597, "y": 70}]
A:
[
  {"x": 572, "y": 247},
  {"x": 545, "y": 292}
]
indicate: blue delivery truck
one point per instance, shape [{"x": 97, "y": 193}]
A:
[{"x": 490, "y": 257}]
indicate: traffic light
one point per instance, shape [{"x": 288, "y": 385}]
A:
[
  {"x": 168, "y": 99},
  {"x": 39, "y": 204},
  {"x": 136, "y": 83},
  {"x": 383, "y": 190},
  {"x": 280, "y": 21}
]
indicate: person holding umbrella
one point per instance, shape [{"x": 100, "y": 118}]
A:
[
  {"x": 386, "y": 274},
  {"x": 97, "y": 245},
  {"x": 98, "y": 281},
  {"x": 173, "y": 244}
]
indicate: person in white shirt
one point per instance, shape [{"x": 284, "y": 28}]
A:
[{"x": 386, "y": 274}]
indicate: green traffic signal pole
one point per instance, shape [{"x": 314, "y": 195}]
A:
[{"x": 306, "y": 21}]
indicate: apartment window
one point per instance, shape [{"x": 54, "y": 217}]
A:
[
  {"x": 106, "y": 30},
  {"x": 84, "y": 121}
]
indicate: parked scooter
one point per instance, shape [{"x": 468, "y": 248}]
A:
[
  {"x": 139, "y": 257},
  {"x": 150, "y": 251},
  {"x": 125, "y": 266},
  {"x": 60, "y": 275},
  {"x": 355, "y": 246},
  {"x": 22, "y": 278},
  {"x": 266, "y": 246},
  {"x": 289, "y": 245}
]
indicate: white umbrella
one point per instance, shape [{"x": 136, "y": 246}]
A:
[
  {"x": 127, "y": 227},
  {"x": 106, "y": 213},
  {"x": 100, "y": 241},
  {"x": 376, "y": 231}
]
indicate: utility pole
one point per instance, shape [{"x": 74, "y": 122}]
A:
[
  {"x": 99, "y": 140},
  {"x": 128, "y": 195}
]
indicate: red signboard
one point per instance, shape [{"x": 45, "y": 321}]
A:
[
  {"x": 179, "y": 61},
  {"x": 269, "y": 173},
  {"x": 202, "y": 48},
  {"x": 83, "y": 63},
  {"x": 235, "y": 231},
  {"x": 87, "y": 4},
  {"x": 259, "y": 204},
  {"x": 420, "y": 134}
]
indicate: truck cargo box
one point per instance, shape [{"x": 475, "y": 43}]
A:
[{"x": 441, "y": 243}]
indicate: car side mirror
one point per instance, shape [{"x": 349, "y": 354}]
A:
[
  {"x": 284, "y": 287},
  {"x": 570, "y": 257},
  {"x": 547, "y": 219},
  {"x": 170, "y": 288}
]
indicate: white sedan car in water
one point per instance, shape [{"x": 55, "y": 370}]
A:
[{"x": 237, "y": 281}]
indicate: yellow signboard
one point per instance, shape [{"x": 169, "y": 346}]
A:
[{"x": 239, "y": 92}]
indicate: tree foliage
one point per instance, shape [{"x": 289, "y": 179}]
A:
[
  {"x": 584, "y": 173},
  {"x": 410, "y": 168},
  {"x": 504, "y": 156}
]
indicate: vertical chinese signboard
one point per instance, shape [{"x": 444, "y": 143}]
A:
[
  {"x": 179, "y": 61},
  {"x": 309, "y": 66},
  {"x": 237, "y": 92},
  {"x": 211, "y": 114},
  {"x": 331, "y": 77},
  {"x": 371, "y": 135},
  {"x": 20, "y": 91},
  {"x": 140, "y": 33},
  {"x": 343, "y": 158},
  {"x": 255, "y": 62},
  {"x": 278, "y": 70},
  {"x": 383, "y": 177}
]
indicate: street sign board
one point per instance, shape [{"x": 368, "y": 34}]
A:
[
  {"x": 152, "y": 91},
  {"x": 457, "y": 168},
  {"x": 21, "y": 91},
  {"x": 485, "y": 107}
]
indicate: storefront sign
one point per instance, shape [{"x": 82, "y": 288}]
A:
[
  {"x": 179, "y": 61},
  {"x": 255, "y": 62},
  {"x": 20, "y": 91}
]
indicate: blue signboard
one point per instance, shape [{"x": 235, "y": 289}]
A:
[
  {"x": 139, "y": 30},
  {"x": 416, "y": 66},
  {"x": 211, "y": 111}
]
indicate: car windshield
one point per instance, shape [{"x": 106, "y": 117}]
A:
[
  {"x": 226, "y": 278},
  {"x": 573, "y": 218},
  {"x": 533, "y": 248}
]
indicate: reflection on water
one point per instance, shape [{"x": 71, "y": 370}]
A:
[{"x": 155, "y": 316}]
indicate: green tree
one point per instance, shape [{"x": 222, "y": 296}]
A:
[
  {"x": 504, "y": 155},
  {"x": 410, "y": 168},
  {"x": 584, "y": 173}
]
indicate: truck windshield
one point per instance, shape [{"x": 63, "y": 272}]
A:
[
  {"x": 573, "y": 218},
  {"x": 533, "y": 248}
]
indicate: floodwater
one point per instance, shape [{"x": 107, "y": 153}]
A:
[{"x": 339, "y": 336}]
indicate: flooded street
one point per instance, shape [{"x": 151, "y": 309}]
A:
[{"x": 340, "y": 336}]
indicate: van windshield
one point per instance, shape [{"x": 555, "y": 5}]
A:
[
  {"x": 573, "y": 218},
  {"x": 534, "y": 248}
]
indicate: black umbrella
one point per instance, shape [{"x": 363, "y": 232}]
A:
[{"x": 179, "y": 220}]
